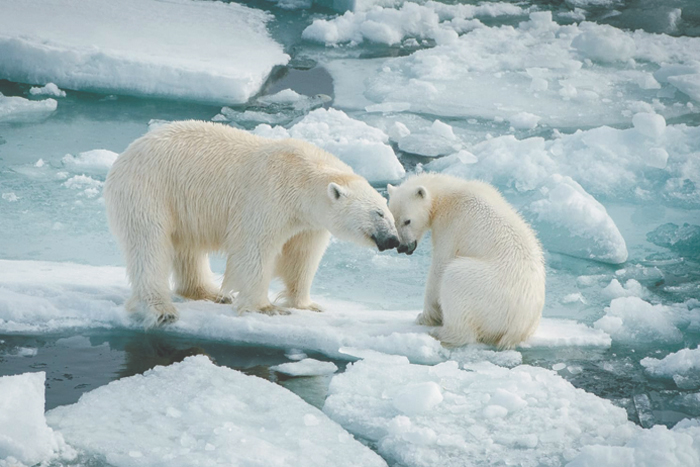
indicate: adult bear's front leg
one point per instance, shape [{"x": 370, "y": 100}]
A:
[
  {"x": 297, "y": 265},
  {"x": 249, "y": 270}
]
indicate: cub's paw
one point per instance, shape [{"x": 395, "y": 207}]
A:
[{"x": 427, "y": 320}]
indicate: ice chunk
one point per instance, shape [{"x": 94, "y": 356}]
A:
[
  {"x": 417, "y": 398},
  {"x": 685, "y": 362},
  {"x": 437, "y": 140},
  {"x": 205, "y": 51},
  {"x": 195, "y": 412},
  {"x": 630, "y": 319},
  {"x": 49, "y": 90},
  {"x": 97, "y": 159},
  {"x": 24, "y": 434},
  {"x": 571, "y": 221},
  {"x": 21, "y": 110},
  {"x": 649, "y": 124},
  {"x": 687, "y": 84},
  {"x": 357, "y": 144},
  {"x": 604, "y": 43},
  {"x": 524, "y": 120},
  {"x": 488, "y": 414},
  {"x": 632, "y": 288},
  {"x": 306, "y": 367}
]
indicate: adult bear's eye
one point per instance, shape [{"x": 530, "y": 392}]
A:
[{"x": 407, "y": 222}]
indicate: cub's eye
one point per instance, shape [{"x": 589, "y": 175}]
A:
[
  {"x": 380, "y": 213},
  {"x": 407, "y": 222}
]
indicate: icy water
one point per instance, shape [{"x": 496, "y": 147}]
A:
[{"x": 587, "y": 104}]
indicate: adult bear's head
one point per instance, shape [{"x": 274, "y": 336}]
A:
[{"x": 360, "y": 214}]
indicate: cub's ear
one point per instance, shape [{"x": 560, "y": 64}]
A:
[
  {"x": 421, "y": 192},
  {"x": 390, "y": 189},
  {"x": 335, "y": 191}
]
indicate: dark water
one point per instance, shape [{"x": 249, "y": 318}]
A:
[{"x": 78, "y": 363}]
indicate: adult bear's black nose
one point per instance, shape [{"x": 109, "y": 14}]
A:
[{"x": 386, "y": 243}]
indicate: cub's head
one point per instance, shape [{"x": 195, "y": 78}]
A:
[
  {"x": 360, "y": 214},
  {"x": 410, "y": 205}
]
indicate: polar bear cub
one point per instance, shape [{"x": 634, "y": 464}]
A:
[
  {"x": 487, "y": 278},
  {"x": 190, "y": 188}
]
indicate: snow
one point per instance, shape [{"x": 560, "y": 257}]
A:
[
  {"x": 306, "y": 367},
  {"x": 572, "y": 221},
  {"x": 41, "y": 297},
  {"x": 359, "y": 145},
  {"x": 688, "y": 84},
  {"x": 195, "y": 412},
  {"x": 536, "y": 68},
  {"x": 24, "y": 434},
  {"x": 437, "y": 140},
  {"x": 20, "y": 110},
  {"x": 526, "y": 120},
  {"x": 204, "y": 51},
  {"x": 490, "y": 415},
  {"x": 49, "y": 90}
]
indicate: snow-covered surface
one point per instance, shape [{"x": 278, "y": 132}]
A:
[
  {"x": 306, "y": 367},
  {"x": 24, "y": 435},
  {"x": 206, "y": 51},
  {"x": 38, "y": 297},
  {"x": 556, "y": 72},
  {"x": 442, "y": 415},
  {"x": 630, "y": 319},
  {"x": 357, "y": 144},
  {"x": 17, "y": 109},
  {"x": 197, "y": 413}
]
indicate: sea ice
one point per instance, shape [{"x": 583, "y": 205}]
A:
[
  {"x": 685, "y": 362},
  {"x": 571, "y": 221},
  {"x": 98, "y": 160},
  {"x": 359, "y": 145},
  {"x": 24, "y": 434},
  {"x": 49, "y": 90},
  {"x": 437, "y": 140},
  {"x": 306, "y": 367},
  {"x": 195, "y": 412},
  {"x": 20, "y": 110},
  {"x": 50, "y": 297},
  {"x": 503, "y": 71},
  {"x": 631, "y": 319},
  {"x": 490, "y": 415},
  {"x": 205, "y": 51}
]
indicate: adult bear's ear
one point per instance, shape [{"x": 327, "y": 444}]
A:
[
  {"x": 390, "y": 189},
  {"x": 421, "y": 192},
  {"x": 335, "y": 191}
]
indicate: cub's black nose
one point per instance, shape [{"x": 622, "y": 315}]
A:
[{"x": 407, "y": 248}]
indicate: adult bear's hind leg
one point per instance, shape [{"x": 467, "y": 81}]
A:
[
  {"x": 297, "y": 265},
  {"x": 193, "y": 276}
]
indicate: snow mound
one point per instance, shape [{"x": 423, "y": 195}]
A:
[
  {"x": 205, "y": 51},
  {"x": 489, "y": 415},
  {"x": 359, "y": 145},
  {"x": 306, "y": 367},
  {"x": 196, "y": 413},
  {"x": 571, "y": 221},
  {"x": 683, "y": 366},
  {"x": 44, "y": 297},
  {"x": 24, "y": 434},
  {"x": 20, "y": 110}
]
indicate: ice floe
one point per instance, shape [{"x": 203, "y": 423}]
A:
[
  {"x": 425, "y": 416},
  {"x": 17, "y": 109},
  {"x": 306, "y": 367},
  {"x": 41, "y": 297},
  {"x": 25, "y": 438},
  {"x": 205, "y": 51}
]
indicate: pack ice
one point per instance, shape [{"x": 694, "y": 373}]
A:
[{"x": 204, "y": 51}]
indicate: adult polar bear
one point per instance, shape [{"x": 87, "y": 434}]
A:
[
  {"x": 189, "y": 188},
  {"x": 487, "y": 278}
]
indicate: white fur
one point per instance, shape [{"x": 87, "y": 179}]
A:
[
  {"x": 487, "y": 278},
  {"x": 190, "y": 188}
]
